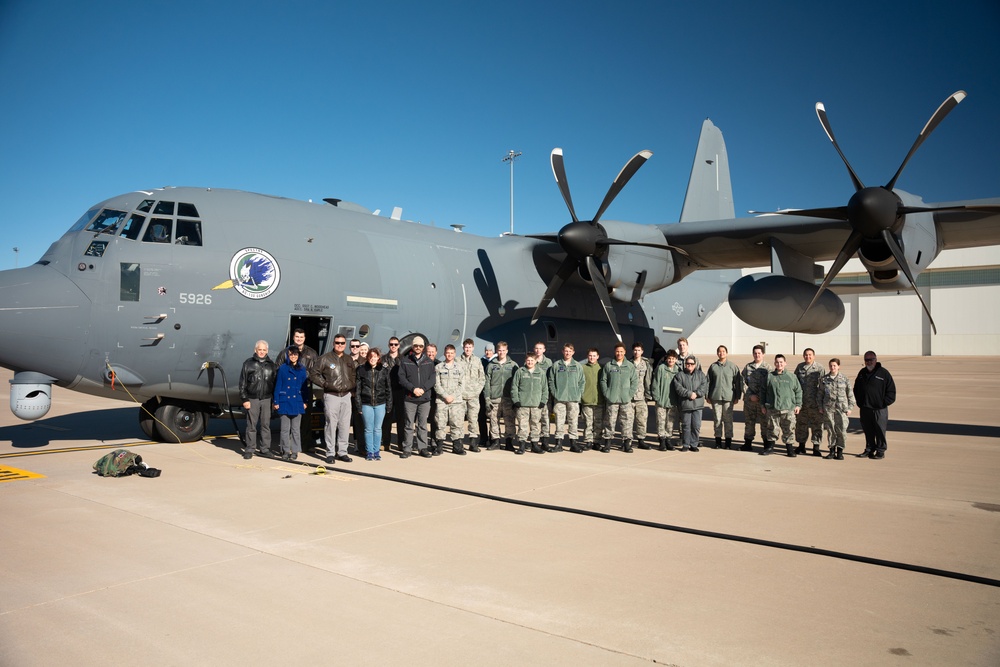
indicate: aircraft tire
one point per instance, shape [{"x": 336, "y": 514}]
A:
[
  {"x": 182, "y": 422},
  {"x": 146, "y": 417}
]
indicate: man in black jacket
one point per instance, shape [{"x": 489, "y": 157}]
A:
[
  {"x": 874, "y": 391},
  {"x": 416, "y": 378},
  {"x": 257, "y": 393}
]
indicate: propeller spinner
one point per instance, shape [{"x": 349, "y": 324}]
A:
[{"x": 586, "y": 242}]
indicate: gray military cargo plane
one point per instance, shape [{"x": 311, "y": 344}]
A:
[{"x": 155, "y": 295}]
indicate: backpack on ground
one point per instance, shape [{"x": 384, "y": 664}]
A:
[{"x": 122, "y": 462}]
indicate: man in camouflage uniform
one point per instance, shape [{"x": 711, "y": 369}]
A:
[
  {"x": 809, "y": 418},
  {"x": 755, "y": 380},
  {"x": 663, "y": 396},
  {"x": 529, "y": 390},
  {"x": 640, "y": 410},
  {"x": 619, "y": 382},
  {"x": 473, "y": 381},
  {"x": 448, "y": 387},
  {"x": 782, "y": 402},
  {"x": 499, "y": 372},
  {"x": 836, "y": 403}
]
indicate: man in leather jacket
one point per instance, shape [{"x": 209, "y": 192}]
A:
[
  {"x": 334, "y": 373},
  {"x": 257, "y": 393}
]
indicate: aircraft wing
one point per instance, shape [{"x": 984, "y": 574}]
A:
[
  {"x": 968, "y": 228},
  {"x": 746, "y": 242}
]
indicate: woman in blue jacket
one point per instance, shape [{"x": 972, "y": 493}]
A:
[{"x": 291, "y": 396}]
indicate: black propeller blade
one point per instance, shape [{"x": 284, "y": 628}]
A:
[
  {"x": 586, "y": 242},
  {"x": 876, "y": 213}
]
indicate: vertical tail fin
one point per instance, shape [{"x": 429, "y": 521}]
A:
[{"x": 709, "y": 193}]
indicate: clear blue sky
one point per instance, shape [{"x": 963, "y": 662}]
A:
[{"x": 414, "y": 104}]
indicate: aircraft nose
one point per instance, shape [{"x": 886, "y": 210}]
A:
[{"x": 44, "y": 322}]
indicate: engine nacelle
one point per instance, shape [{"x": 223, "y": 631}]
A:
[
  {"x": 30, "y": 395},
  {"x": 775, "y": 303},
  {"x": 634, "y": 271},
  {"x": 918, "y": 240}
]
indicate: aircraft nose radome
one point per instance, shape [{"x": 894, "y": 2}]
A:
[{"x": 44, "y": 321}]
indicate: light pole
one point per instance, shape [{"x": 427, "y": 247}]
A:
[{"x": 510, "y": 157}]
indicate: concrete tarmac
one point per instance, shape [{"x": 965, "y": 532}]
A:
[{"x": 229, "y": 562}]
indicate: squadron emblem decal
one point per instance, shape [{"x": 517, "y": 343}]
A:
[{"x": 254, "y": 273}]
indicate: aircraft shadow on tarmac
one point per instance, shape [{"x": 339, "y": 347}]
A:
[
  {"x": 97, "y": 425},
  {"x": 111, "y": 424}
]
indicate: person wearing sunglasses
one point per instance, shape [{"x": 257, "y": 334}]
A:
[
  {"x": 690, "y": 387},
  {"x": 335, "y": 374}
]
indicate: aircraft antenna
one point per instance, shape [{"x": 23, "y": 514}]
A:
[{"x": 510, "y": 157}]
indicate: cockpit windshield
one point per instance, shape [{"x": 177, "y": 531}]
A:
[
  {"x": 184, "y": 229},
  {"x": 84, "y": 219},
  {"x": 107, "y": 221}
]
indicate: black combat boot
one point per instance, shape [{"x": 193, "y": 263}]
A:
[
  {"x": 768, "y": 448},
  {"x": 801, "y": 448},
  {"x": 519, "y": 447},
  {"x": 643, "y": 444},
  {"x": 718, "y": 443},
  {"x": 537, "y": 448},
  {"x": 606, "y": 446},
  {"x": 663, "y": 445},
  {"x": 458, "y": 447},
  {"x": 729, "y": 443},
  {"x": 473, "y": 444},
  {"x": 747, "y": 446},
  {"x": 816, "y": 451},
  {"x": 437, "y": 446},
  {"x": 561, "y": 444},
  {"x": 792, "y": 452},
  {"x": 494, "y": 445},
  {"x": 573, "y": 447},
  {"x": 627, "y": 446},
  {"x": 840, "y": 453}
]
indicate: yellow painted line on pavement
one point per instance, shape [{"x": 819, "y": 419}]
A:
[{"x": 8, "y": 474}]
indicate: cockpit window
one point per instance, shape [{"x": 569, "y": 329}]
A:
[
  {"x": 84, "y": 219},
  {"x": 159, "y": 231},
  {"x": 188, "y": 232},
  {"x": 164, "y": 208},
  {"x": 132, "y": 226},
  {"x": 107, "y": 221},
  {"x": 187, "y": 210},
  {"x": 145, "y": 206}
]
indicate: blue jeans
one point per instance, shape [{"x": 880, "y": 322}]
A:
[{"x": 373, "y": 416}]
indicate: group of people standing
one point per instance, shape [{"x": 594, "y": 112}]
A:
[
  {"x": 519, "y": 400},
  {"x": 802, "y": 404}
]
